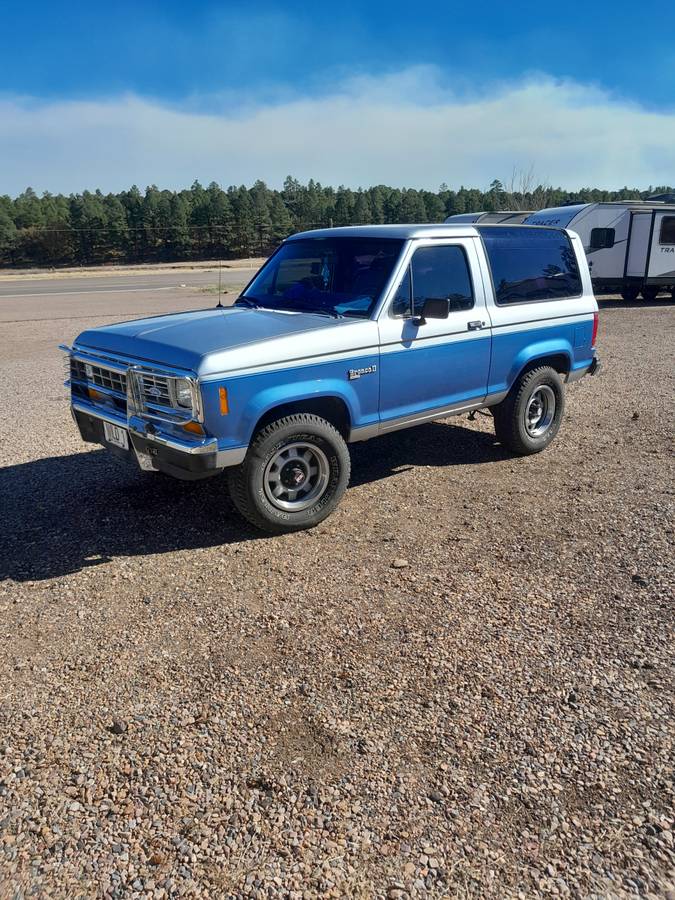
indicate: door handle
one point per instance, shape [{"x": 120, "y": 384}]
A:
[{"x": 475, "y": 325}]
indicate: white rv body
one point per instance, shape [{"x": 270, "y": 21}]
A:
[
  {"x": 630, "y": 245},
  {"x": 512, "y": 217}
]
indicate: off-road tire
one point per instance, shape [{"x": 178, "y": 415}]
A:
[
  {"x": 650, "y": 293},
  {"x": 630, "y": 294},
  {"x": 511, "y": 414},
  {"x": 247, "y": 481}
]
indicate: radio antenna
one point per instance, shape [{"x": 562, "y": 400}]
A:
[{"x": 219, "y": 305}]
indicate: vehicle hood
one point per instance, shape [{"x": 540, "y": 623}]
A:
[{"x": 215, "y": 340}]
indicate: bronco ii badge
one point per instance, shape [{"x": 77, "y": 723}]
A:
[{"x": 357, "y": 373}]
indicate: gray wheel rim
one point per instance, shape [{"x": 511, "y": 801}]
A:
[
  {"x": 296, "y": 476},
  {"x": 540, "y": 411}
]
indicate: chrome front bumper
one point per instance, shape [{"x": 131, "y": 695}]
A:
[{"x": 154, "y": 450}]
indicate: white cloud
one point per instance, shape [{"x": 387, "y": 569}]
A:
[{"x": 410, "y": 129}]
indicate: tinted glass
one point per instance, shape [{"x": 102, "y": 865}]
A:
[
  {"x": 531, "y": 264},
  {"x": 336, "y": 275},
  {"x": 439, "y": 273},
  {"x": 402, "y": 305},
  {"x": 602, "y": 238},
  {"x": 667, "y": 234}
]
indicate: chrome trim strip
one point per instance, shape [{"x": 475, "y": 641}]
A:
[
  {"x": 440, "y": 412},
  {"x": 365, "y": 432}
]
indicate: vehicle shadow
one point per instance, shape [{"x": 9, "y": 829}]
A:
[
  {"x": 439, "y": 444},
  {"x": 63, "y": 514}
]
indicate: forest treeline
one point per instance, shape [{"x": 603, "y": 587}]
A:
[{"x": 212, "y": 222}]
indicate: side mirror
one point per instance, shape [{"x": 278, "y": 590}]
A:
[{"x": 434, "y": 308}]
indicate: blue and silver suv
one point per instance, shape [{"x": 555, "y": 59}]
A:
[{"x": 343, "y": 335}]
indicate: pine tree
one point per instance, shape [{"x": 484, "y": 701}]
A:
[
  {"x": 8, "y": 234},
  {"x": 282, "y": 224},
  {"x": 362, "y": 214}
]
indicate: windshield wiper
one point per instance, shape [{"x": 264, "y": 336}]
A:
[{"x": 320, "y": 311}]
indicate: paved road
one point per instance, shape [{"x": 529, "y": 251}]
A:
[
  {"x": 100, "y": 284},
  {"x": 114, "y": 297}
]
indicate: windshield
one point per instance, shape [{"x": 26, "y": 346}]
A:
[{"x": 339, "y": 276}]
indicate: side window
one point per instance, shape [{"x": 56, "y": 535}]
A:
[
  {"x": 602, "y": 238},
  {"x": 439, "y": 273},
  {"x": 667, "y": 233},
  {"x": 531, "y": 264}
]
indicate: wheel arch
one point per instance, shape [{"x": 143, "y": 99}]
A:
[
  {"x": 558, "y": 357},
  {"x": 331, "y": 407}
]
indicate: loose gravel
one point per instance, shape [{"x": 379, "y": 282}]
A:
[{"x": 460, "y": 685}]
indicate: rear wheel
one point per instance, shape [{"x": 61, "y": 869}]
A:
[
  {"x": 630, "y": 293},
  {"x": 529, "y": 418},
  {"x": 294, "y": 474},
  {"x": 650, "y": 293}
]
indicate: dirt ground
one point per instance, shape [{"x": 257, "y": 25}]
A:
[{"x": 188, "y": 708}]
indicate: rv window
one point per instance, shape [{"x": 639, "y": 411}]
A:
[
  {"x": 667, "y": 235},
  {"x": 602, "y": 238},
  {"x": 530, "y": 264}
]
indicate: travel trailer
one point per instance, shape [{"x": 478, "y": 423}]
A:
[
  {"x": 504, "y": 217},
  {"x": 630, "y": 244}
]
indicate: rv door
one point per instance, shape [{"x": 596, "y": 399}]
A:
[
  {"x": 638, "y": 244},
  {"x": 662, "y": 250}
]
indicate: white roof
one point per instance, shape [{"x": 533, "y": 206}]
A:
[
  {"x": 405, "y": 232},
  {"x": 402, "y": 232}
]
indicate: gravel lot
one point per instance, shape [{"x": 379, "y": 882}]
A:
[{"x": 459, "y": 685}]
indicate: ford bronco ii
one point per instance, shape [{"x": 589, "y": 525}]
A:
[{"x": 344, "y": 334}]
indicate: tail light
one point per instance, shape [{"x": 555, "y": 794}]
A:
[{"x": 595, "y": 329}]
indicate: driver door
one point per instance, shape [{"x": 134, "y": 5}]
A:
[{"x": 440, "y": 365}]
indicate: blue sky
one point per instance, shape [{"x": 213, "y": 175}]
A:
[{"x": 214, "y": 69}]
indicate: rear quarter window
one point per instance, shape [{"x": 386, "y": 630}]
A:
[{"x": 531, "y": 264}]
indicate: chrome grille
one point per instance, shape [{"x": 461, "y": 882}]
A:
[
  {"x": 152, "y": 395},
  {"x": 97, "y": 375},
  {"x": 155, "y": 389}
]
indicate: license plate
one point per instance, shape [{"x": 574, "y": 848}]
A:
[{"x": 116, "y": 435}]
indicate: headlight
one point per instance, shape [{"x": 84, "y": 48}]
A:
[{"x": 183, "y": 393}]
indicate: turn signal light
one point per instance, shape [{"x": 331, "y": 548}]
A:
[
  {"x": 224, "y": 403},
  {"x": 94, "y": 395},
  {"x": 194, "y": 428}
]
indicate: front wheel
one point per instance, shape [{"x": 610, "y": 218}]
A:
[
  {"x": 529, "y": 418},
  {"x": 650, "y": 293},
  {"x": 294, "y": 475}
]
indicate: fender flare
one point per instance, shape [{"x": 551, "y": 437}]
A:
[
  {"x": 533, "y": 353},
  {"x": 326, "y": 388}
]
